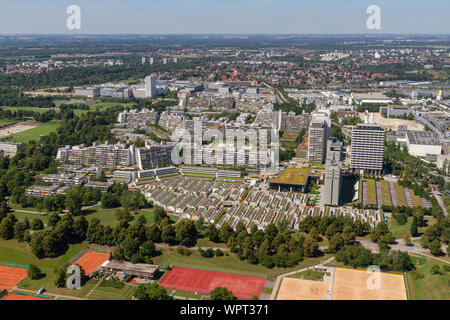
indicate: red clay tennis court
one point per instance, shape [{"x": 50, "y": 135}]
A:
[
  {"x": 10, "y": 276},
  {"x": 15, "y": 296},
  {"x": 92, "y": 260},
  {"x": 200, "y": 281}
]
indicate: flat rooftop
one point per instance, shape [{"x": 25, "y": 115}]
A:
[
  {"x": 423, "y": 138},
  {"x": 128, "y": 266},
  {"x": 294, "y": 176}
]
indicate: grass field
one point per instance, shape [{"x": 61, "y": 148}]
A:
[
  {"x": 423, "y": 285},
  {"x": 108, "y": 292},
  {"x": 31, "y": 216},
  {"x": 35, "y": 133},
  {"x": 309, "y": 275},
  {"x": 107, "y": 217},
  {"x": 400, "y": 231},
  {"x": 186, "y": 294}
]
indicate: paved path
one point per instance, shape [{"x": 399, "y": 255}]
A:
[
  {"x": 280, "y": 277},
  {"x": 399, "y": 245},
  {"x": 441, "y": 203},
  {"x": 163, "y": 245},
  {"x": 49, "y": 293}
]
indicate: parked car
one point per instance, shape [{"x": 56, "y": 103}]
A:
[{"x": 41, "y": 290}]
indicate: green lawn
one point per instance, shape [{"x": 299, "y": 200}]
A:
[
  {"x": 35, "y": 133},
  {"x": 105, "y": 292},
  {"x": 309, "y": 275},
  {"x": 430, "y": 286},
  {"x": 107, "y": 217},
  {"x": 400, "y": 231},
  {"x": 31, "y": 216},
  {"x": 187, "y": 294}
]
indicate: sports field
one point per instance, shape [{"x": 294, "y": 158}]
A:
[
  {"x": 352, "y": 284},
  {"x": 200, "y": 281},
  {"x": 11, "y": 276},
  {"x": 299, "y": 289},
  {"x": 92, "y": 260},
  {"x": 15, "y": 296}
]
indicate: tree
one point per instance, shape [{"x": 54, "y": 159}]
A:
[
  {"x": 225, "y": 232},
  {"x": 53, "y": 219},
  {"x": 407, "y": 240},
  {"x": 6, "y": 229},
  {"x": 19, "y": 231},
  {"x": 74, "y": 200},
  {"x": 435, "y": 247},
  {"x": 160, "y": 214},
  {"x": 37, "y": 224},
  {"x": 168, "y": 234},
  {"x": 212, "y": 233},
  {"x": 150, "y": 292},
  {"x": 148, "y": 249},
  {"x": 186, "y": 232},
  {"x": 130, "y": 246},
  {"x": 109, "y": 200},
  {"x": 336, "y": 243},
  {"x": 154, "y": 233},
  {"x": 35, "y": 273},
  {"x": 61, "y": 276},
  {"x": 413, "y": 229},
  {"x": 348, "y": 235},
  {"x": 222, "y": 293},
  {"x": 310, "y": 247}
]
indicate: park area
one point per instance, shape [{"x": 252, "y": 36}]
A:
[{"x": 202, "y": 281}]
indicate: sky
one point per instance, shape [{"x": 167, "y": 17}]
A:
[{"x": 224, "y": 16}]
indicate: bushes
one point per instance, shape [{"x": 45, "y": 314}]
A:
[
  {"x": 208, "y": 253},
  {"x": 35, "y": 273}
]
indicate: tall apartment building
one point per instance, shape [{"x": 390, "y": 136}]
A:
[
  {"x": 333, "y": 180},
  {"x": 319, "y": 132},
  {"x": 106, "y": 156},
  {"x": 367, "y": 148},
  {"x": 135, "y": 119},
  {"x": 154, "y": 157},
  {"x": 150, "y": 86},
  {"x": 10, "y": 148},
  {"x": 99, "y": 155}
]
